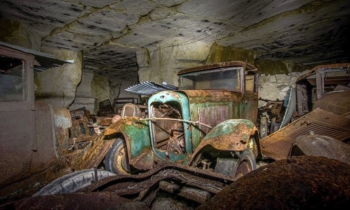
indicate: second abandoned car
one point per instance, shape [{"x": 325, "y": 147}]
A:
[{"x": 207, "y": 123}]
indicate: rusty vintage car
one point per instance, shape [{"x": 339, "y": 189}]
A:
[
  {"x": 207, "y": 123},
  {"x": 321, "y": 107}
]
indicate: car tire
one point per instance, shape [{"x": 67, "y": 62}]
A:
[
  {"x": 73, "y": 182},
  {"x": 116, "y": 159},
  {"x": 245, "y": 164}
]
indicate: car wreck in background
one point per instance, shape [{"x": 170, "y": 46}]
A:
[{"x": 320, "y": 105}]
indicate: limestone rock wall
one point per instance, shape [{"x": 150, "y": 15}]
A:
[
  {"x": 100, "y": 90},
  {"x": 17, "y": 33},
  {"x": 223, "y": 54},
  {"x": 275, "y": 87},
  {"x": 58, "y": 85},
  {"x": 162, "y": 64},
  {"x": 117, "y": 89},
  {"x": 83, "y": 97}
]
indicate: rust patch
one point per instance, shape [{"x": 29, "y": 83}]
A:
[{"x": 278, "y": 144}]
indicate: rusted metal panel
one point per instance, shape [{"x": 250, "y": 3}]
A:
[
  {"x": 202, "y": 96},
  {"x": 193, "y": 194},
  {"x": 230, "y": 135},
  {"x": 17, "y": 142},
  {"x": 46, "y": 153},
  {"x": 335, "y": 102},
  {"x": 320, "y": 81},
  {"x": 136, "y": 134},
  {"x": 212, "y": 116},
  {"x": 16, "y": 145},
  {"x": 319, "y": 145},
  {"x": 92, "y": 156},
  {"x": 134, "y": 184},
  {"x": 323, "y": 67},
  {"x": 278, "y": 144}
]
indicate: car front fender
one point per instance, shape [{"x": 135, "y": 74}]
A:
[
  {"x": 135, "y": 132},
  {"x": 229, "y": 135}
]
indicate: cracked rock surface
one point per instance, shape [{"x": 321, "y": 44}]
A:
[{"x": 111, "y": 33}]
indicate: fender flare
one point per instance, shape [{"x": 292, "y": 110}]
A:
[
  {"x": 136, "y": 135},
  {"x": 229, "y": 135}
]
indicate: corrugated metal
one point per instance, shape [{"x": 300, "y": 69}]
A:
[{"x": 149, "y": 88}]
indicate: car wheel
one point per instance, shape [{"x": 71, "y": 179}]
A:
[
  {"x": 245, "y": 164},
  {"x": 116, "y": 159},
  {"x": 73, "y": 182}
]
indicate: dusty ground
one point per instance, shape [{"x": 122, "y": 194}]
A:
[{"x": 303, "y": 182}]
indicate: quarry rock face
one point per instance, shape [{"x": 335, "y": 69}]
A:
[
  {"x": 151, "y": 40},
  {"x": 58, "y": 85}
]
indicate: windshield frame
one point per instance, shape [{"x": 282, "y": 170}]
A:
[{"x": 197, "y": 74}]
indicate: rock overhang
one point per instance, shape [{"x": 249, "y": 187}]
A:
[{"x": 111, "y": 32}]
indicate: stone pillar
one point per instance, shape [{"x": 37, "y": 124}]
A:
[
  {"x": 100, "y": 90},
  {"x": 83, "y": 97},
  {"x": 58, "y": 85}
]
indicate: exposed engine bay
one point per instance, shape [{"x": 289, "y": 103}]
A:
[{"x": 168, "y": 132}]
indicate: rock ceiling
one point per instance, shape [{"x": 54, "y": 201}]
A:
[{"x": 111, "y": 32}]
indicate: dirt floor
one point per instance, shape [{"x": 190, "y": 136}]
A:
[{"x": 302, "y": 182}]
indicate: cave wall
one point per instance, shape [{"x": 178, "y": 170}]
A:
[
  {"x": 161, "y": 64},
  {"x": 117, "y": 90},
  {"x": 58, "y": 85},
  {"x": 83, "y": 97},
  {"x": 67, "y": 86},
  {"x": 100, "y": 90},
  {"x": 16, "y": 33}
]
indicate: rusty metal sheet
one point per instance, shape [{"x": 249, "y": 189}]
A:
[
  {"x": 278, "y": 144},
  {"x": 202, "y": 96},
  {"x": 323, "y": 67},
  {"x": 133, "y": 184},
  {"x": 230, "y": 135},
  {"x": 93, "y": 156},
  {"x": 319, "y": 145},
  {"x": 212, "y": 116},
  {"x": 335, "y": 102}
]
